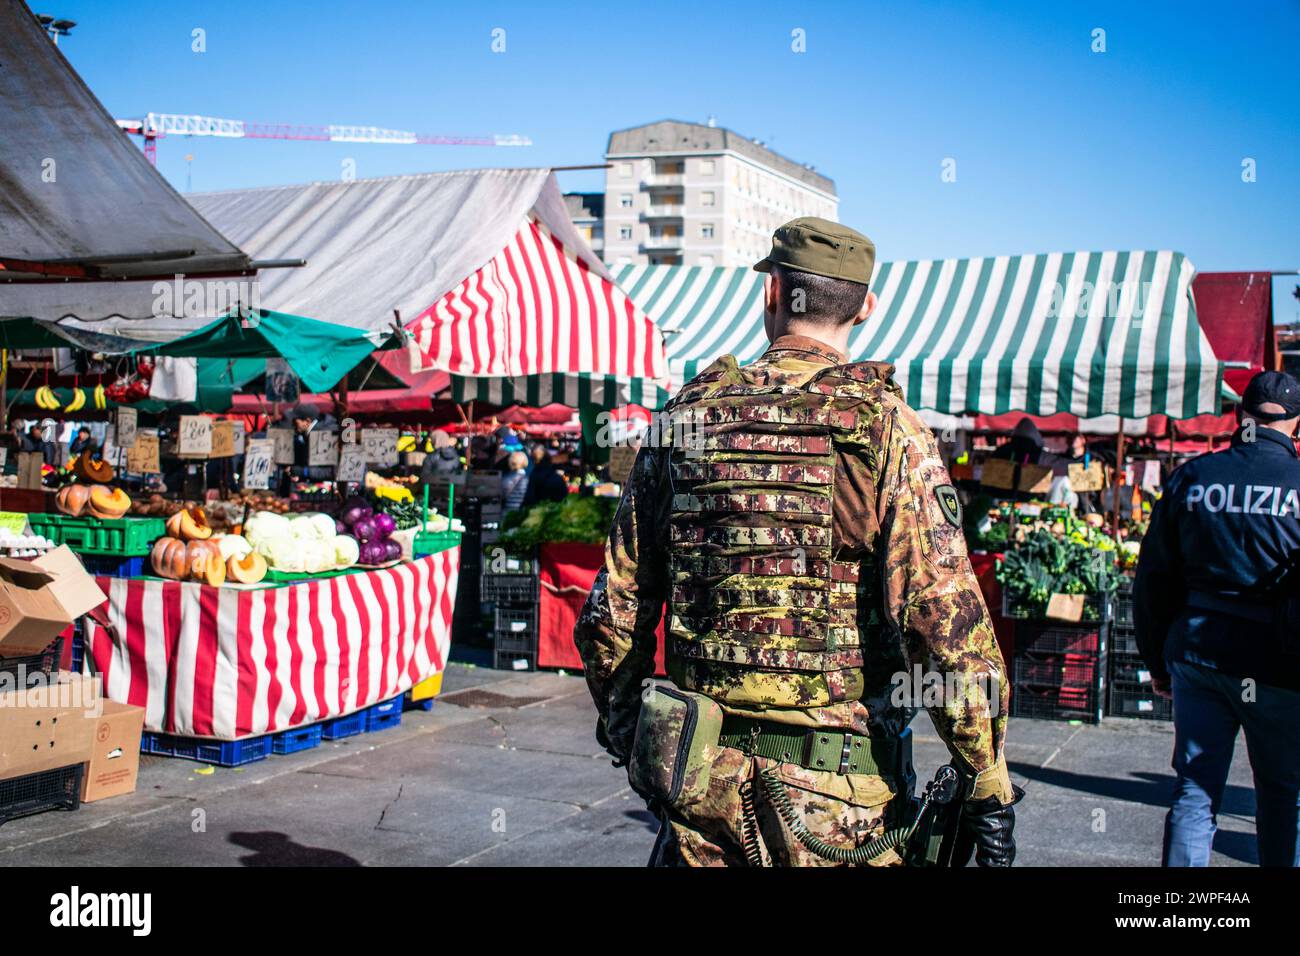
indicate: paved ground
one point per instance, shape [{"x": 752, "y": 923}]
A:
[{"x": 526, "y": 785}]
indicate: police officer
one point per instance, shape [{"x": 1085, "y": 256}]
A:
[
  {"x": 797, "y": 522},
  {"x": 1217, "y": 624}
]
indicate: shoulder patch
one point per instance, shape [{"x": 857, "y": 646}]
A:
[{"x": 949, "y": 503}]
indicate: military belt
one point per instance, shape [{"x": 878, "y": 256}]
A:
[{"x": 812, "y": 748}]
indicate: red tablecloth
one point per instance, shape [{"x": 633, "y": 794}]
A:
[
  {"x": 985, "y": 566},
  {"x": 567, "y": 573},
  {"x": 228, "y": 663}
]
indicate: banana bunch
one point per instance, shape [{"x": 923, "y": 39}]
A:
[
  {"x": 101, "y": 402},
  {"x": 46, "y": 399},
  {"x": 78, "y": 401}
]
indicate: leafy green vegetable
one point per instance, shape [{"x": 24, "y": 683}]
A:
[
  {"x": 1043, "y": 565},
  {"x": 584, "y": 519}
]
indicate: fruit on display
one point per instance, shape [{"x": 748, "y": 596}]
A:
[
  {"x": 78, "y": 401},
  {"x": 108, "y": 503},
  {"x": 170, "y": 558},
  {"x": 96, "y": 471},
  {"x": 189, "y": 524},
  {"x": 205, "y": 563},
  {"x": 46, "y": 399},
  {"x": 249, "y": 568},
  {"x": 73, "y": 500}
]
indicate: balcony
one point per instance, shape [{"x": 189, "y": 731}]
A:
[
  {"x": 663, "y": 180},
  {"x": 653, "y": 243},
  {"x": 675, "y": 211}
]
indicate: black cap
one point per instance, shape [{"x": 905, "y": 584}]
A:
[
  {"x": 305, "y": 410},
  {"x": 1277, "y": 388}
]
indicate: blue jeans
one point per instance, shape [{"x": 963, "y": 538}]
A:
[{"x": 1208, "y": 712}]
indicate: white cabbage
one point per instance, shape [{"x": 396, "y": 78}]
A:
[
  {"x": 265, "y": 526},
  {"x": 232, "y": 545},
  {"x": 346, "y": 550},
  {"x": 317, "y": 556},
  {"x": 284, "y": 554}
]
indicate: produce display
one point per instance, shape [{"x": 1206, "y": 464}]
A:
[
  {"x": 98, "y": 501},
  {"x": 301, "y": 544},
  {"x": 373, "y": 530},
  {"x": 23, "y": 545},
  {"x": 188, "y": 560},
  {"x": 579, "y": 519},
  {"x": 1043, "y": 564}
]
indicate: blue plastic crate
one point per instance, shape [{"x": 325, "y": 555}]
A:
[
  {"x": 384, "y": 715},
  {"x": 223, "y": 753},
  {"x": 292, "y": 741},
  {"x": 339, "y": 727},
  {"x": 408, "y": 704},
  {"x": 115, "y": 565}
]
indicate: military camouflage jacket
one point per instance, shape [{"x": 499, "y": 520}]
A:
[{"x": 894, "y": 510}]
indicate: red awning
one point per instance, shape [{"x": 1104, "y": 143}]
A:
[{"x": 1235, "y": 310}]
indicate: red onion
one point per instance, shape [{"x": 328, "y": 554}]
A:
[
  {"x": 384, "y": 524},
  {"x": 364, "y": 530}
]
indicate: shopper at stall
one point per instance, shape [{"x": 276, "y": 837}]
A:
[
  {"x": 545, "y": 481},
  {"x": 1217, "y": 613},
  {"x": 81, "y": 442},
  {"x": 515, "y": 484}
]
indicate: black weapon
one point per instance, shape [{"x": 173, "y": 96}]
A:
[{"x": 936, "y": 822}]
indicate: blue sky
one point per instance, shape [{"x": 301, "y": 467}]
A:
[{"x": 1057, "y": 147}]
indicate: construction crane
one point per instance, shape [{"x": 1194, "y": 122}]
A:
[{"x": 155, "y": 126}]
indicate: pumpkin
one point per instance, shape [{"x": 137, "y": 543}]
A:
[
  {"x": 189, "y": 524},
  {"x": 206, "y": 564},
  {"x": 250, "y": 569},
  {"x": 170, "y": 558},
  {"x": 96, "y": 471},
  {"x": 108, "y": 503},
  {"x": 72, "y": 499}
]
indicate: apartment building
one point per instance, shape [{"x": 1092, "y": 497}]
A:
[
  {"x": 587, "y": 210},
  {"x": 696, "y": 194}
]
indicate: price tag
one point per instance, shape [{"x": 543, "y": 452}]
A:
[
  {"x": 621, "y": 459},
  {"x": 239, "y": 436},
  {"x": 142, "y": 457},
  {"x": 194, "y": 439},
  {"x": 322, "y": 449},
  {"x": 998, "y": 473},
  {"x": 380, "y": 445},
  {"x": 1090, "y": 478},
  {"x": 258, "y": 456},
  {"x": 283, "y": 443},
  {"x": 14, "y": 522},
  {"x": 127, "y": 418},
  {"x": 223, "y": 440},
  {"x": 352, "y": 464}
]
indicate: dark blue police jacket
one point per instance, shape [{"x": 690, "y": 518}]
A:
[{"x": 1224, "y": 525}]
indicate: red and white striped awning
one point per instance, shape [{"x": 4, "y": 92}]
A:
[{"x": 537, "y": 309}]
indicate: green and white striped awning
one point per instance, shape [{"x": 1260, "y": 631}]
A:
[
  {"x": 1086, "y": 333},
  {"x": 537, "y": 391}
]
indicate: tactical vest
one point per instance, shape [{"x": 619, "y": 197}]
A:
[{"x": 761, "y": 612}]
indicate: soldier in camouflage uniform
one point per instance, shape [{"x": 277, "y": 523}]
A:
[{"x": 801, "y": 530}]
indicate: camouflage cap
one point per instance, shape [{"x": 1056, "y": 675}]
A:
[{"x": 823, "y": 248}]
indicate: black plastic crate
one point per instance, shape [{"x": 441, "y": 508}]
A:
[
  {"x": 516, "y": 620},
  {"x": 1124, "y": 640},
  {"x": 509, "y": 588},
  {"x": 36, "y": 792},
  {"x": 1057, "y": 703},
  {"x": 1057, "y": 638},
  {"x": 1098, "y": 608},
  {"x": 507, "y": 564},
  {"x": 514, "y": 661},
  {"x": 1130, "y": 668},
  {"x": 512, "y": 641},
  {"x": 1058, "y": 670},
  {"x": 1129, "y": 699},
  {"x": 23, "y": 671},
  {"x": 1123, "y": 604}
]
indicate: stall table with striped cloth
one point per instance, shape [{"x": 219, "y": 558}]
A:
[{"x": 226, "y": 663}]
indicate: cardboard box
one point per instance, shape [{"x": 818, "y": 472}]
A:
[
  {"x": 39, "y": 598},
  {"x": 114, "y": 761},
  {"x": 50, "y": 726}
]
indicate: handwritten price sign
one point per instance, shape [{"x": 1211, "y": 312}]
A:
[
  {"x": 127, "y": 419},
  {"x": 352, "y": 464},
  {"x": 380, "y": 445},
  {"x": 258, "y": 455},
  {"x": 223, "y": 440},
  {"x": 283, "y": 443},
  {"x": 322, "y": 449},
  {"x": 195, "y": 437}
]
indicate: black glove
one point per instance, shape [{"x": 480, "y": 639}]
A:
[{"x": 987, "y": 829}]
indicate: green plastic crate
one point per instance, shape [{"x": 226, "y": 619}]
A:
[
  {"x": 125, "y": 537},
  {"x": 432, "y": 542}
]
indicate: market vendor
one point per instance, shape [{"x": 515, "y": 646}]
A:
[{"x": 307, "y": 418}]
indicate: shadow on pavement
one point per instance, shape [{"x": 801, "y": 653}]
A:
[
  {"x": 1153, "y": 789},
  {"x": 276, "y": 849}
]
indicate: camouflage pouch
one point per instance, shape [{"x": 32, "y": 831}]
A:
[{"x": 676, "y": 742}]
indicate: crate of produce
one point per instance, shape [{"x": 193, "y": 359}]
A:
[
  {"x": 117, "y": 565},
  {"x": 509, "y": 588},
  {"x": 116, "y": 537},
  {"x": 384, "y": 715},
  {"x": 1123, "y": 604},
  {"x": 1130, "y": 699},
  {"x": 1057, "y": 670},
  {"x": 514, "y": 661},
  {"x": 338, "y": 728},
  {"x": 1060, "y": 639},
  {"x": 516, "y": 620},
  {"x": 58, "y": 789},
  {"x": 1096, "y": 610},
  {"x": 223, "y": 753},
  {"x": 292, "y": 741},
  {"x": 31, "y": 669},
  {"x": 1057, "y": 703}
]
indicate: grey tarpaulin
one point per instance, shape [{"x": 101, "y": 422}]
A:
[{"x": 73, "y": 189}]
